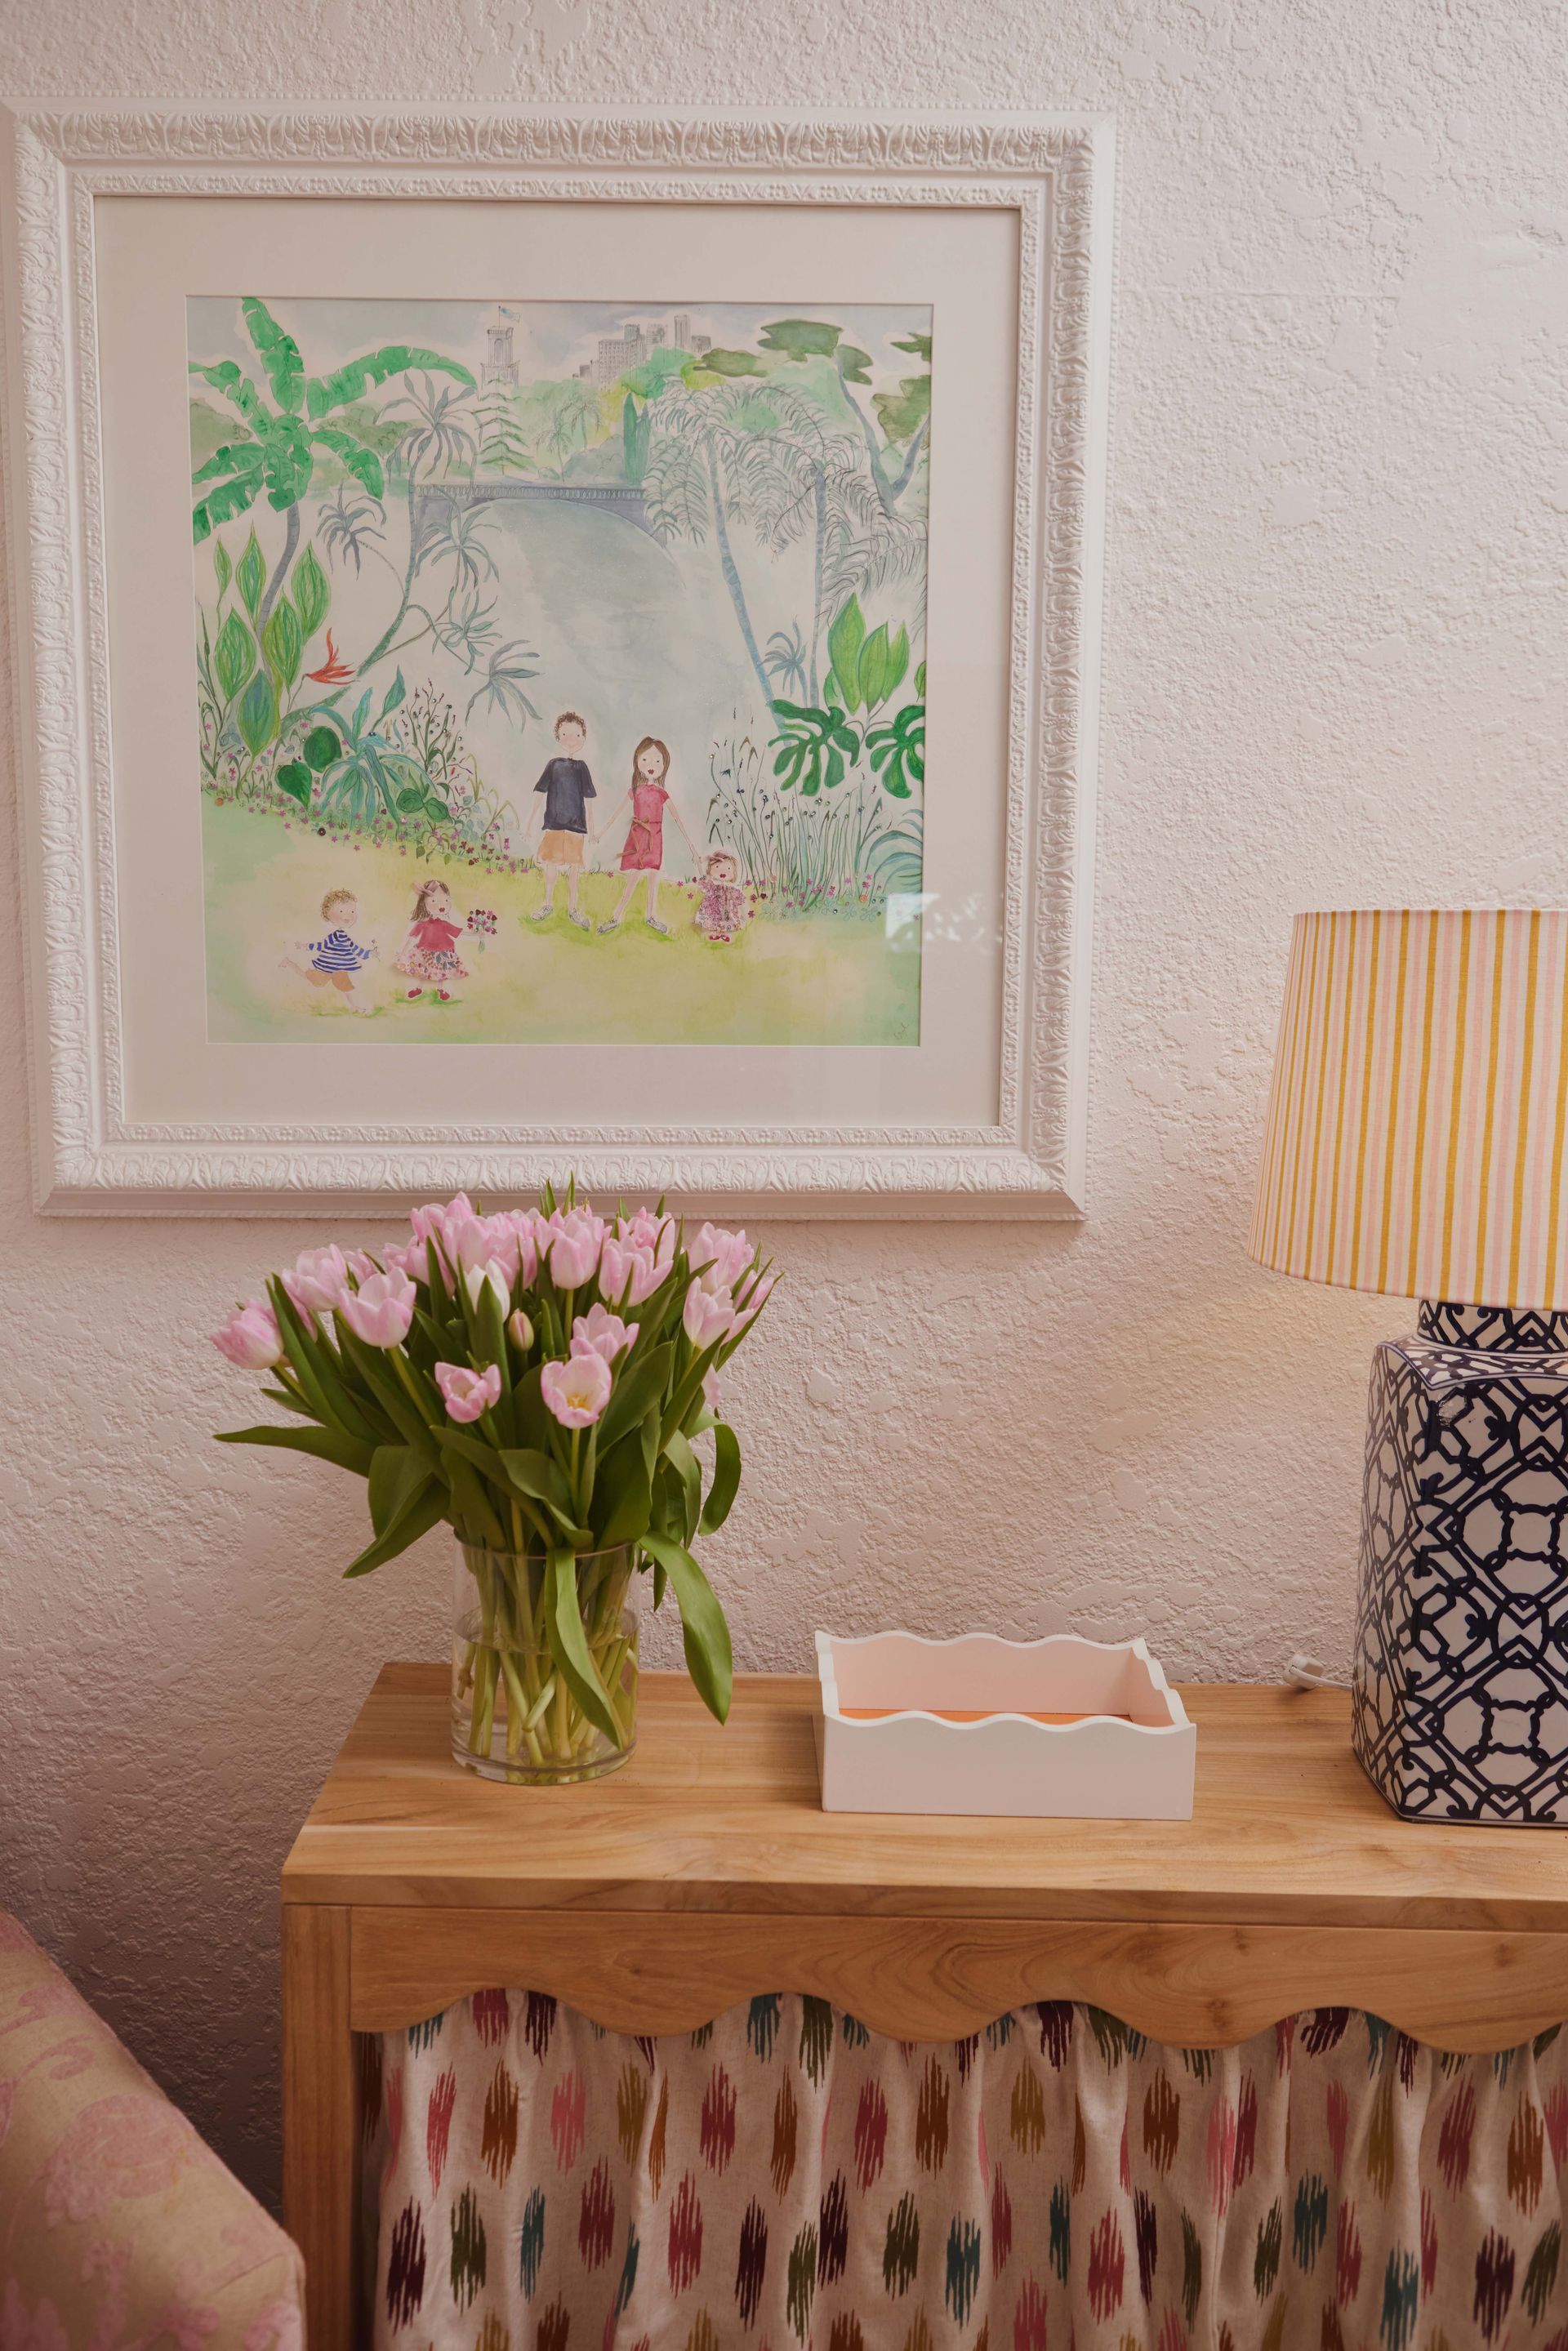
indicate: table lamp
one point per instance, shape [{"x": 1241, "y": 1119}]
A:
[{"x": 1415, "y": 1144}]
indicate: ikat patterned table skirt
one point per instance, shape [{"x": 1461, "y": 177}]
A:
[{"x": 784, "y": 2181}]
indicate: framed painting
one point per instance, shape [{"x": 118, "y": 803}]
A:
[{"x": 558, "y": 641}]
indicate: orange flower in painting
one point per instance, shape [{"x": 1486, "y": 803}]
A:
[{"x": 333, "y": 671}]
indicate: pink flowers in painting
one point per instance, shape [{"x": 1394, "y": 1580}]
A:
[{"x": 544, "y": 1379}]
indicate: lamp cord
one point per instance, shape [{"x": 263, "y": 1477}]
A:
[{"x": 1303, "y": 1672}]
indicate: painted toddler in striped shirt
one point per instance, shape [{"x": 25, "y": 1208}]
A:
[{"x": 334, "y": 959}]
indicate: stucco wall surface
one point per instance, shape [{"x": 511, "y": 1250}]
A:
[{"x": 1334, "y": 674}]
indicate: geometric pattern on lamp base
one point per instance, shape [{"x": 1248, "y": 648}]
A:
[{"x": 1461, "y": 1687}]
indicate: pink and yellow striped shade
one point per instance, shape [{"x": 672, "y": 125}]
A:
[{"x": 1419, "y": 1111}]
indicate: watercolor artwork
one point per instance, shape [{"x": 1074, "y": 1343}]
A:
[{"x": 560, "y": 670}]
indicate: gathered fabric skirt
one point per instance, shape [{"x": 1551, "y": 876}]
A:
[{"x": 785, "y": 2179}]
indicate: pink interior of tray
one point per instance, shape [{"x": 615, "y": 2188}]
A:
[{"x": 973, "y": 1679}]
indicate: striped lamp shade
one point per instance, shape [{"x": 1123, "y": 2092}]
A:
[{"x": 1420, "y": 1107}]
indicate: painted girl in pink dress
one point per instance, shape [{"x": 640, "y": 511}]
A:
[
  {"x": 430, "y": 951},
  {"x": 644, "y": 852}
]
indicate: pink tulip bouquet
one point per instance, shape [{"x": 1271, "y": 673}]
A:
[{"x": 538, "y": 1378}]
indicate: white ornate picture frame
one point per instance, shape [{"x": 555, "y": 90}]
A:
[{"x": 133, "y": 1111}]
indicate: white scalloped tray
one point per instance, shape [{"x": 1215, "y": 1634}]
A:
[{"x": 1060, "y": 1728}]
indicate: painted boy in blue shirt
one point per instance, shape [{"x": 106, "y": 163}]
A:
[{"x": 561, "y": 795}]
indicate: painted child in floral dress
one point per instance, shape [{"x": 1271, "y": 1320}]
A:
[
  {"x": 722, "y": 909},
  {"x": 643, "y": 854},
  {"x": 430, "y": 955}
]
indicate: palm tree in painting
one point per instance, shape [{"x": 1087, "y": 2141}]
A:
[{"x": 275, "y": 451}]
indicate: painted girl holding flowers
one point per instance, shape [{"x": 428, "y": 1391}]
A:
[
  {"x": 429, "y": 953},
  {"x": 643, "y": 853}
]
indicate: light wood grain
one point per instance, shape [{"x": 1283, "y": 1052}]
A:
[
  {"x": 321, "y": 2119},
  {"x": 938, "y": 1979},
  {"x": 1286, "y": 1829}
]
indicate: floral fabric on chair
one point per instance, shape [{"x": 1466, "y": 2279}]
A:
[
  {"x": 119, "y": 2230},
  {"x": 782, "y": 2180}
]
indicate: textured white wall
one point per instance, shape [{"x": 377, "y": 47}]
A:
[{"x": 1334, "y": 674}]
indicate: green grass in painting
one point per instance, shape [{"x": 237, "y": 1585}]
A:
[{"x": 807, "y": 979}]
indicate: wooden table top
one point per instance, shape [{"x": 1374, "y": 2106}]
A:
[{"x": 1285, "y": 1828}]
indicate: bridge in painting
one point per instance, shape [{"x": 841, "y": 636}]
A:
[{"x": 621, "y": 498}]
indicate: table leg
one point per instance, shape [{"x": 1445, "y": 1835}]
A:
[{"x": 321, "y": 2119}]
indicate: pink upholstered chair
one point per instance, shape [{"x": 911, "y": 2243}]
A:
[{"x": 117, "y": 2225}]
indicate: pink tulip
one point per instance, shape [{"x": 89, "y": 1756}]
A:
[
  {"x": 574, "y": 1249},
  {"x": 477, "y": 1279},
  {"x": 728, "y": 1254},
  {"x": 407, "y": 1257},
  {"x": 629, "y": 1273},
  {"x": 708, "y": 1314},
  {"x": 430, "y": 1222},
  {"x": 360, "y": 1264},
  {"x": 319, "y": 1281},
  {"x": 578, "y": 1390},
  {"x": 491, "y": 1240},
  {"x": 521, "y": 1221},
  {"x": 381, "y": 1311},
  {"x": 604, "y": 1332},
  {"x": 468, "y": 1394},
  {"x": 520, "y": 1330},
  {"x": 250, "y": 1337},
  {"x": 646, "y": 1230}
]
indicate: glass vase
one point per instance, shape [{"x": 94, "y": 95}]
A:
[{"x": 513, "y": 1716}]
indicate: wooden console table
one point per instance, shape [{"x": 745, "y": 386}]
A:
[{"x": 706, "y": 1871}]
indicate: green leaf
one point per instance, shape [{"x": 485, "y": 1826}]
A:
[
  {"x": 872, "y": 672},
  {"x": 641, "y": 1383},
  {"x": 711, "y": 366},
  {"x": 800, "y": 338},
  {"x": 536, "y": 1474},
  {"x": 569, "y": 1645},
  {"x": 354, "y": 458},
  {"x": 250, "y": 574},
  {"x": 227, "y": 377},
  {"x": 388, "y": 1394},
  {"x": 320, "y": 748},
  {"x": 530, "y": 1414},
  {"x": 396, "y": 693},
  {"x": 726, "y": 1477},
  {"x": 312, "y": 593},
  {"x": 289, "y": 463},
  {"x": 845, "y": 639},
  {"x": 920, "y": 681},
  {"x": 294, "y": 778},
  {"x": 397, "y": 1477},
  {"x": 326, "y": 1444},
  {"x": 350, "y": 383},
  {"x": 424, "y": 1512},
  {"x": 278, "y": 354},
  {"x": 684, "y": 1461},
  {"x": 900, "y": 413},
  {"x": 233, "y": 655},
  {"x": 283, "y": 642},
  {"x": 220, "y": 506},
  {"x": 622, "y": 1496},
  {"x": 222, "y": 567},
  {"x": 304, "y": 1355},
  {"x": 257, "y": 713},
  {"x": 704, "y": 1633}
]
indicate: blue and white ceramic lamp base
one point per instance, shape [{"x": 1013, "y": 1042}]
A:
[{"x": 1461, "y": 1691}]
